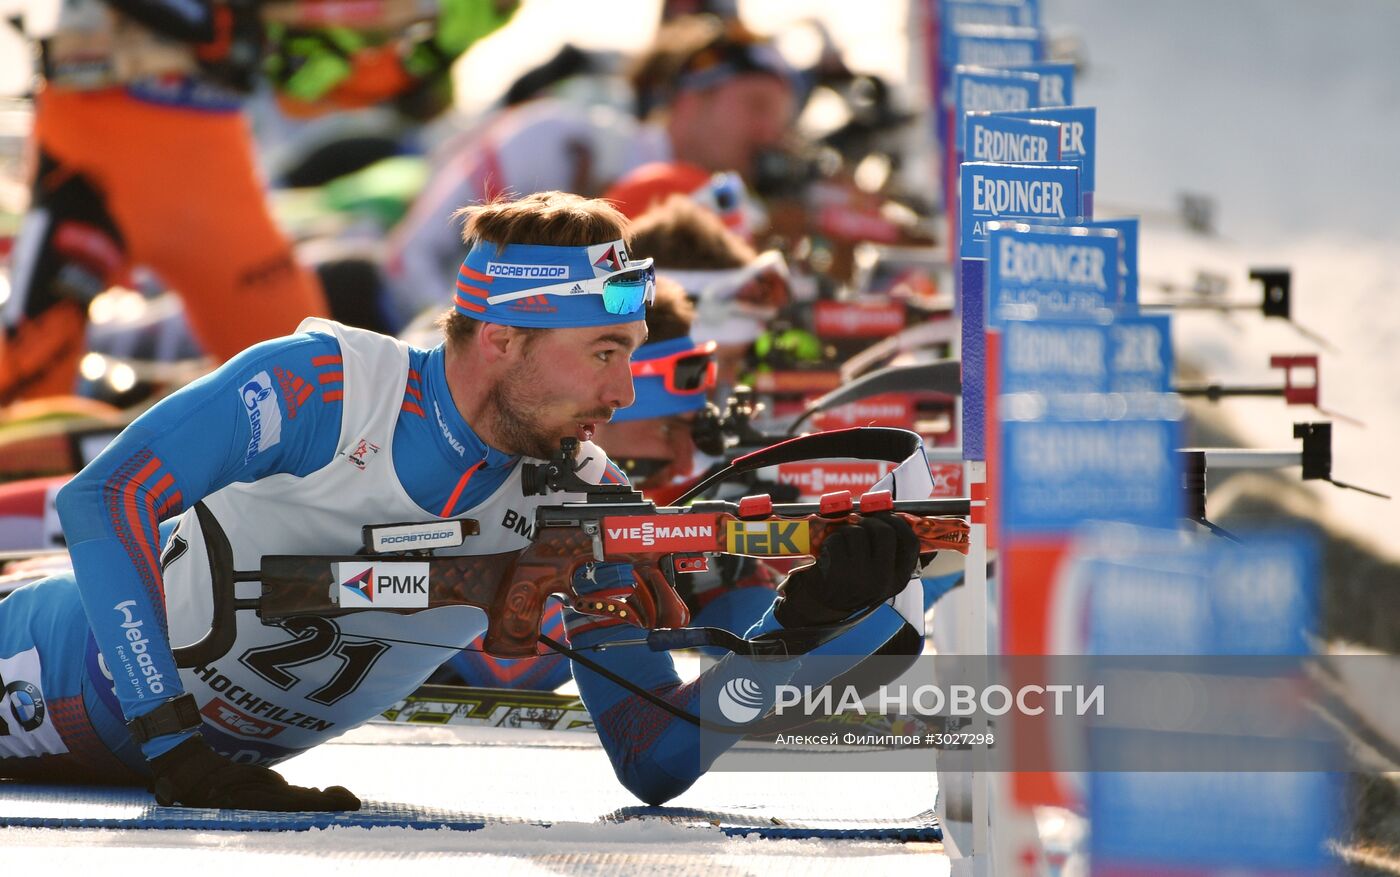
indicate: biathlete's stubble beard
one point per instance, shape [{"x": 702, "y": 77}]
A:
[{"x": 513, "y": 400}]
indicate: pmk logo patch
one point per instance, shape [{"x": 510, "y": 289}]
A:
[
  {"x": 382, "y": 585},
  {"x": 769, "y": 538}
]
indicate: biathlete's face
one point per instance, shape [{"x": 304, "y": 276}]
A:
[
  {"x": 653, "y": 450},
  {"x": 731, "y": 122},
  {"x": 564, "y": 382}
]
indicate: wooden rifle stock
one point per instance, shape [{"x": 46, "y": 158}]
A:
[{"x": 511, "y": 587}]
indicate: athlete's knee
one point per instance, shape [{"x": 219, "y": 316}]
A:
[
  {"x": 76, "y": 499},
  {"x": 652, "y": 783},
  {"x": 657, "y": 767}
]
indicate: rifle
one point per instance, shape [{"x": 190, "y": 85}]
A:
[
  {"x": 613, "y": 524},
  {"x": 731, "y": 433}
]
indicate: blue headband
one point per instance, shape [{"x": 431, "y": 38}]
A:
[
  {"x": 652, "y": 398},
  {"x": 569, "y": 281}
]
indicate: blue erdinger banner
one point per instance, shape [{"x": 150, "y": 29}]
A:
[
  {"x": 1056, "y": 81},
  {"x": 1127, "y": 258},
  {"x": 1006, "y": 13},
  {"x": 1128, "y": 355},
  {"x": 1078, "y": 139},
  {"x": 1087, "y": 432},
  {"x": 979, "y": 89},
  {"x": 993, "y": 46},
  {"x": 989, "y": 137},
  {"x": 1058, "y": 273},
  {"x": 992, "y": 191}
]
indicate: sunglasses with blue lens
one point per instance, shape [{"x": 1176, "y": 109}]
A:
[
  {"x": 629, "y": 291},
  {"x": 624, "y": 292}
]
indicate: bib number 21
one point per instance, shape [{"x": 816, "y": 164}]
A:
[{"x": 316, "y": 639}]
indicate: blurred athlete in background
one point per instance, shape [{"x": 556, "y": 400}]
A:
[{"x": 709, "y": 93}]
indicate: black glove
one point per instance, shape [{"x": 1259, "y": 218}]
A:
[
  {"x": 860, "y": 566},
  {"x": 193, "y": 775}
]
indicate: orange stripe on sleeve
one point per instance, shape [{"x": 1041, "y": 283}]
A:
[
  {"x": 331, "y": 377},
  {"x": 413, "y": 409},
  {"x": 332, "y": 395},
  {"x": 172, "y": 503},
  {"x": 476, "y": 275},
  {"x": 133, "y": 513},
  {"x": 162, "y": 485},
  {"x": 319, "y": 361}
]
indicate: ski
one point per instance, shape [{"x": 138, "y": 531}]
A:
[
  {"x": 490, "y": 707},
  {"x": 463, "y": 705}
]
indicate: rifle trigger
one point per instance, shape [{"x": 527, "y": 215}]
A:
[{"x": 592, "y": 529}]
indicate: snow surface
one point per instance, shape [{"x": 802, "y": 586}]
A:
[
  {"x": 549, "y": 777},
  {"x": 516, "y": 850}
]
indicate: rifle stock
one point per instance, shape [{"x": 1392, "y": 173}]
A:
[{"x": 512, "y": 587}]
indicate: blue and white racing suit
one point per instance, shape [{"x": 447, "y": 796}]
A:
[{"x": 293, "y": 445}]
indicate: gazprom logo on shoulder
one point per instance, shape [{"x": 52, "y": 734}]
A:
[
  {"x": 382, "y": 585},
  {"x": 264, "y": 414}
]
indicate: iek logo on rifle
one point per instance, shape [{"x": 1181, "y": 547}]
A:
[{"x": 769, "y": 538}]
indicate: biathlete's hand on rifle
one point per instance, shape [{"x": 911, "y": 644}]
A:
[
  {"x": 193, "y": 775},
  {"x": 860, "y": 566}
]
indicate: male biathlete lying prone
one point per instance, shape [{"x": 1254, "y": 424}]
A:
[{"x": 291, "y": 448}]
